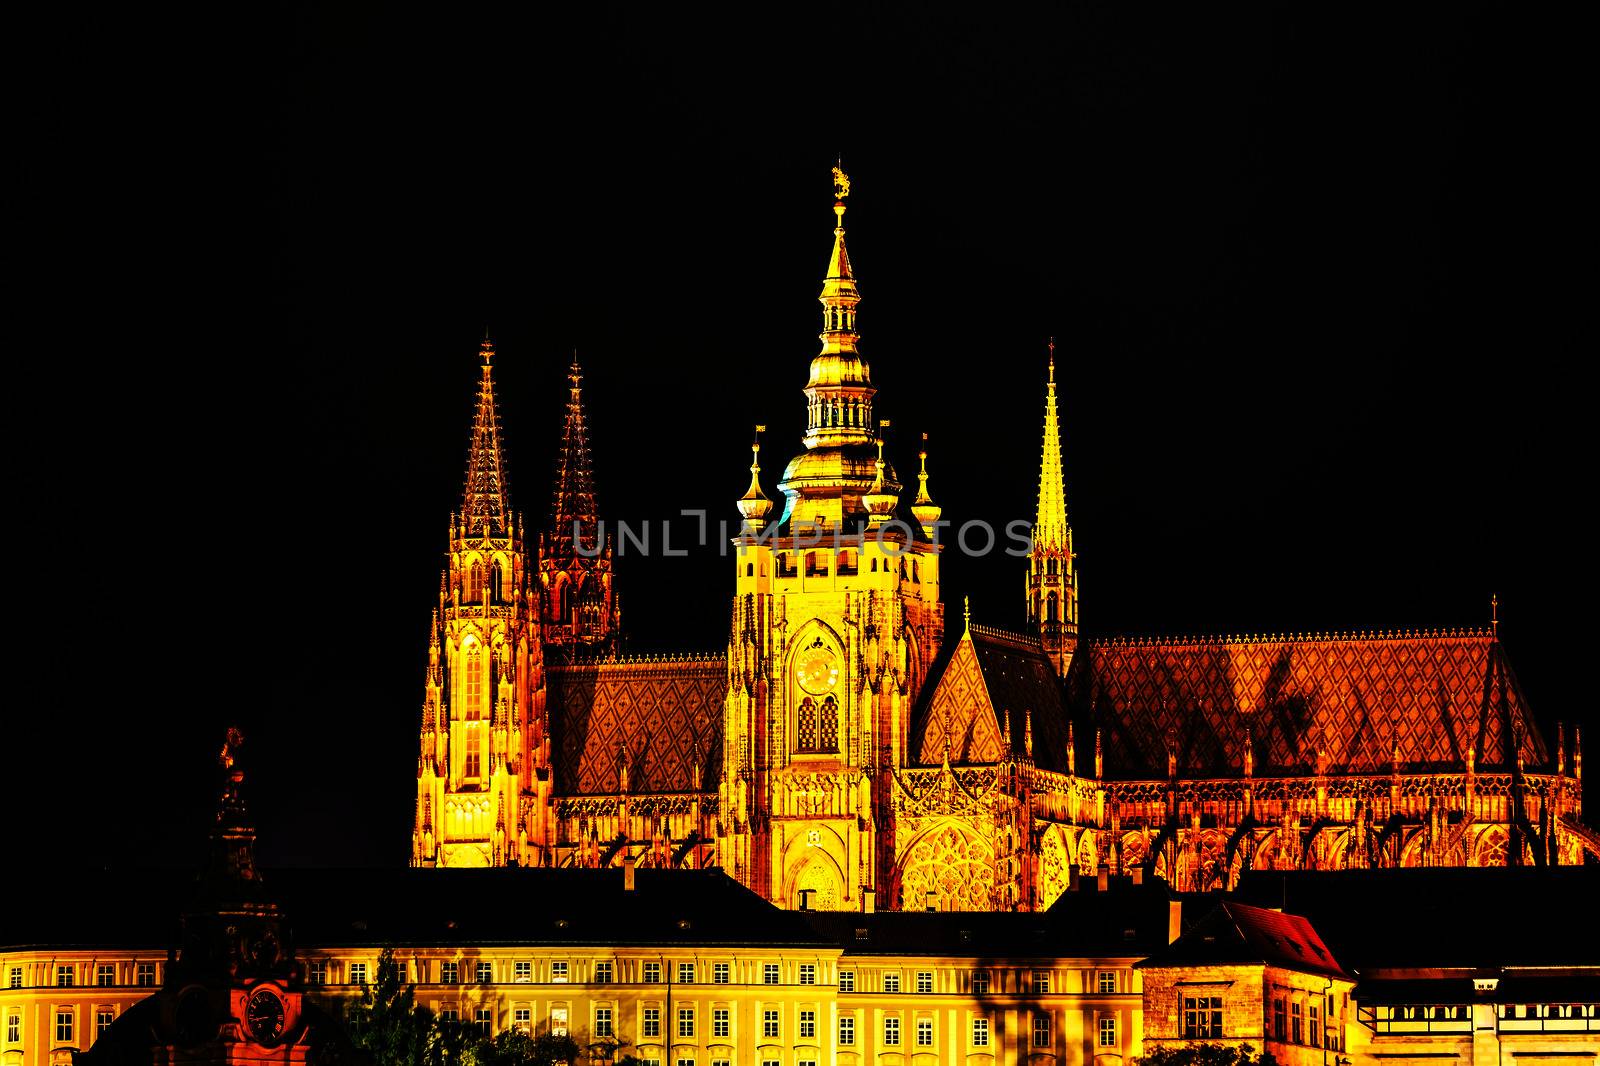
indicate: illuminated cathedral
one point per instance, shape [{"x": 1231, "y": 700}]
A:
[{"x": 853, "y": 746}]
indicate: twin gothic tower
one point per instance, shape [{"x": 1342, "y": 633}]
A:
[{"x": 848, "y": 746}]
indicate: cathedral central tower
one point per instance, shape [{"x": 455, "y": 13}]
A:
[{"x": 836, "y": 619}]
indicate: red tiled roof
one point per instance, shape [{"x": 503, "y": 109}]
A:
[
  {"x": 657, "y": 710},
  {"x": 1235, "y": 933},
  {"x": 1434, "y": 695}
]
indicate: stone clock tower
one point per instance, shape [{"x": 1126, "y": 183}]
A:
[{"x": 836, "y": 619}]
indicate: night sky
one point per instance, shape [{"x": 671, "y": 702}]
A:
[{"x": 1308, "y": 273}]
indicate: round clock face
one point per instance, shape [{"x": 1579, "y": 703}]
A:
[
  {"x": 817, "y": 670},
  {"x": 264, "y": 1016}
]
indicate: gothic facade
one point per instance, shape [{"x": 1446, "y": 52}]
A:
[{"x": 852, "y": 745}]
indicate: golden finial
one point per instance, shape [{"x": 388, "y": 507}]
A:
[
  {"x": 966, "y": 611},
  {"x": 923, "y": 508},
  {"x": 1052, "y": 346},
  {"x": 841, "y": 183},
  {"x": 754, "y": 505},
  {"x": 1494, "y": 614}
]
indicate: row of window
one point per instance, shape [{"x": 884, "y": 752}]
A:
[
  {"x": 1039, "y": 982},
  {"x": 687, "y": 1027},
  {"x": 105, "y": 975},
  {"x": 817, "y": 566},
  {"x": 66, "y": 1025},
  {"x": 1297, "y": 1021},
  {"x": 603, "y": 973}
]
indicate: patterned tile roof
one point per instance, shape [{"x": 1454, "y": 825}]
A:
[
  {"x": 1356, "y": 696},
  {"x": 657, "y": 711},
  {"x": 981, "y": 680}
]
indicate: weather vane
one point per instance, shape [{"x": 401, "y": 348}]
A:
[{"x": 841, "y": 183}]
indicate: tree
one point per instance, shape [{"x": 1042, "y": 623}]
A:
[
  {"x": 516, "y": 1048},
  {"x": 388, "y": 1022},
  {"x": 1206, "y": 1055}
]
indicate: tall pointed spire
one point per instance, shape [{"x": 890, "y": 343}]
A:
[
  {"x": 1050, "y": 529},
  {"x": 574, "y": 511},
  {"x": 485, "y": 503},
  {"x": 1052, "y": 571},
  {"x": 580, "y": 606},
  {"x": 840, "y": 388}
]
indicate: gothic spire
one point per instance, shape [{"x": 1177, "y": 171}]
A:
[
  {"x": 574, "y": 510},
  {"x": 485, "y": 504},
  {"x": 1050, "y": 530},
  {"x": 839, "y": 391}
]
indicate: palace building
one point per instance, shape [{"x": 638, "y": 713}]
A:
[{"x": 852, "y": 741}]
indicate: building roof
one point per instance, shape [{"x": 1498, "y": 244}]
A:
[
  {"x": 1128, "y": 920},
  {"x": 1443, "y": 917},
  {"x": 1356, "y": 696},
  {"x": 420, "y": 907},
  {"x": 662, "y": 716},
  {"x": 1237, "y": 933},
  {"x": 980, "y": 682}
]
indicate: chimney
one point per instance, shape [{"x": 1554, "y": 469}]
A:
[
  {"x": 627, "y": 873},
  {"x": 1072, "y": 877},
  {"x": 1138, "y": 873},
  {"x": 1102, "y": 880},
  {"x": 1174, "y": 920},
  {"x": 869, "y": 901},
  {"x": 933, "y": 901},
  {"x": 805, "y": 898}
]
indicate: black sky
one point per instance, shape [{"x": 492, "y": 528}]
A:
[{"x": 1308, "y": 272}]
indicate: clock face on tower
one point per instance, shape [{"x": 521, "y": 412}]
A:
[
  {"x": 264, "y": 1015},
  {"x": 817, "y": 669}
]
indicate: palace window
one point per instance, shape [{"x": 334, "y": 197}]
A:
[
  {"x": 1280, "y": 1019},
  {"x": 769, "y": 1025},
  {"x": 847, "y": 1032},
  {"x": 13, "y": 1028},
  {"x": 652, "y": 1022},
  {"x": 482, "y": 1021},
  {"x": 16, "y": 977},
  {"x": 144, "y": 975},
  {"x": 448, "y": 1016},
  {"x": 720, "y": 1026},
  {"x": 652, "y": 973},
  {"x": 602, "y": 1021},
  {"x": 686, "y": 973},
  {"x": 64, "y": 976},
  {"x": 1041, "y": 1029},
  {"x": 358, "y": 973},
  {"x": 808, "y": 1025},
  {"x": 485, "y": 973},
  {"x": 685, "y": 1021},
  {"x": 558, "y": 973},
  {"x": 980, "y": 982},
  {"x": 847, "y": 980},
  {"x": 105, "y": 975},
  {"x": 103, "y": 1017},
  {"x": 1314, "y": 1024},
  {"x": 891, "y": 1031},
  {"x": 1202, "y": 1017},
  {"x": 769, "y": 973},
  {"x": 1041, "y": 982},
  {"x": 522, "y": 972},
  {"x": 449, "y": 973},
  {"x": 719, "y": 973},
  {"x": 1297, "y": 1022},
  {"x": 1108, "y": 1031},
  {"x": 924, "y": 981},
  {"x": 63, "y": 1025},
  {"x": 980, "y": 1032},
  {"x": 602, "y": 973},
  {"x": 558, "y": 1021},
  {"x": 522, "y": 1020},
  {"x": 924, "y": 1032},
  {"x": 808, "y": 973},
  {"x": 1108, "y": 981}
]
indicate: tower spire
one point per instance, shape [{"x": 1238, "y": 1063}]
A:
[
  {"x": 485, "y": 504},
  {"x": 1052, "y": 574},
  {"x": 574, "y": 518}
]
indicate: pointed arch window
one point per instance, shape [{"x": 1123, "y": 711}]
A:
[
  {"x": 806, "y": 725},
  {"x": 472, "y": 712},
  {"x": 828, "y": 726},
  {"x": 474, "y": 582}
]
